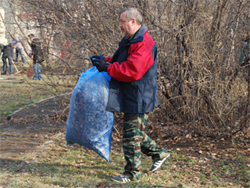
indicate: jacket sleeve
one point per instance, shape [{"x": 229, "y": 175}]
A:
[
  {"x": 108, "y": 59},
  {"x": 136, "y": 65}
]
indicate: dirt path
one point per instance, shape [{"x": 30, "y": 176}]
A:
[
  {"x": 32, "y": 126},
  {"x": 37, "y": 124}
]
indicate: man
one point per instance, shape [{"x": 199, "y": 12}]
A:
[
  {"x": 7, "y": 54},
  {"x": 19, "y": 49},
  {"x": 245, "y": 52},
  {"x": 133, "y": 90},
  {"x": 37, "y": 56},
  {"x": 1, "y": 48}
]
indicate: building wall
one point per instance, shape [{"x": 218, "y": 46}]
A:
[
  {"x": 15, "y": 23},
  {"x": 12, "y": 26},
  {"x": 6, "y": 20}
]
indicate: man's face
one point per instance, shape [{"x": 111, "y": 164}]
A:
[
  {"x": 31, "y": 37},
  {"x": 126, "y": 25}
]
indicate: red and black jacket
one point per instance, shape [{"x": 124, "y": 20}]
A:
[{"x": 133, "y": 71}]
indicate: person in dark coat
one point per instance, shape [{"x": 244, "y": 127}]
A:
[
  {"x": 7, "y": 54},
  {"x": 245, "y": 52},
  {"x": 37, "y": 56},
  {"x": 133, "y": 91},
  {"x": 1, "y": 48}
]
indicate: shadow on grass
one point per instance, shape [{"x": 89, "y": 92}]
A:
[{"x": 102, "y": 174}]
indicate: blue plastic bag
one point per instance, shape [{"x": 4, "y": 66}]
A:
[{"x": 88, "y": 123}]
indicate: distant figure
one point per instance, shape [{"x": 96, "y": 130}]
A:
[
  {"x": 7, "y": 54},
  {"x": 37, "y": 56},
  {"x": 245, "y": 52},
  {"x": 1, "y": 48},
  {"x": 19, "y": 49}
]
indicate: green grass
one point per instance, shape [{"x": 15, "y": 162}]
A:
[
  {"x": 18, "y": 90},
  {"x": 58, "y": 165},
  {"x": 72, "y": 166}
]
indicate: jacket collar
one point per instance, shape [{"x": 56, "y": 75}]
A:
[{"x": 137, "y": 37}]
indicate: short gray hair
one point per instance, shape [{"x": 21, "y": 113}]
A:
[{"x": 133, "y": 13}]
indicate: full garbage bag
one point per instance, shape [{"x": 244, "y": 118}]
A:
[{"x": 88, "y": 123}]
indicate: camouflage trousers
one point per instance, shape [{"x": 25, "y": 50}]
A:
[{"x": 136, "y": 141}]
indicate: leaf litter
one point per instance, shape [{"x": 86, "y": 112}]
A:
[{"x": 28, "y": 143}]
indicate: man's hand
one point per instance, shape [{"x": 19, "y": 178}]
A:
[
  {"x": 101, "y": 65},
  {"x": 95, "y": 57}
]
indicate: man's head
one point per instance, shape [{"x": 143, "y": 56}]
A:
[
  {"x": 130, "y": 21},
  {"x": 31, "y": 36}
]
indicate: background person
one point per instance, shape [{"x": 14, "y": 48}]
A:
[
  {"x": 19, "y": 49},
  {"x": 1, "y": 48},
  {"x": 245, "y": 52},
  {"x": 133, "y": 90},
  {"x": 7, "y": 54},
  {"x": 37, "y": 56}
]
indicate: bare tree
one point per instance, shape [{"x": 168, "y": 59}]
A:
[{"x": 198, "y": 51}]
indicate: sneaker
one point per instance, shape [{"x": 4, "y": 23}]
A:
[
  {"x": 156, "y": 165},
  {"x": 123, "y": 179}
]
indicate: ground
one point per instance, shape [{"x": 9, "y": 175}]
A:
[
  {"x": 31, "y": 126},
  {"x": 34, "y": 125}
]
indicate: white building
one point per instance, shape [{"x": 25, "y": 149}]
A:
[
  {"x": 14, "y": 23},
  {"x": 6, "y": 21}
]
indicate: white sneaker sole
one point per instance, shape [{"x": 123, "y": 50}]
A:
[{"x": 161, "y": 163}]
